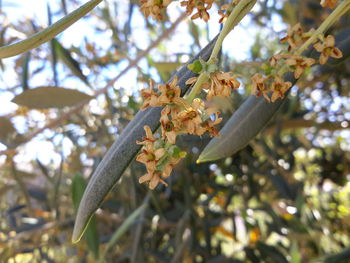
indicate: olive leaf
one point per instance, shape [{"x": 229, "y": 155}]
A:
[
  {"x": 8, "y": 134},
  {"x": 50, "y": 97},
  {"x": 127, "y": 224},
  {"x": 65, "y": 56},
  {"x": 48, "y": 33},
  {"x": 92, "y": 239},
  {"x": 253, "y": 115},
  {"x": 122, "y": 153},
  {"x": 244, "y": 125},
  {"x": 165, "y": 69},
  {"x": 25, "y": 71}
]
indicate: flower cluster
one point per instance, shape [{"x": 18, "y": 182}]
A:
[
  {"x": 291, "y": 61},
  {"x": 194, "y": 8},
  {"x": 327, "y": 49},
  {"x": 219, "y": 84},
  {"x": 190, "y": 115},
  {"x": 154, "y": 8},
  {"x": 278, "y": 86},
  {"x": 201, "y": 6},
  {"x": 328, "y": 3},
  {"x": 177, "y": 117}
]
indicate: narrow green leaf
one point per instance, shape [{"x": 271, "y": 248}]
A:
[
  {"x": 244, "y": 125},
  {"x": 123, "y": 228},
  {"x": 270, "y": 253},
  {"x": 341, "y": 257},
  {"x": 295, "y": 253},
  {"x": 289, "y": 13},
  {"x": 165, "y": 69},
  {"x": 78, "y": 187},
  {"x": 64, "y": 6},
  {"x": 65, "y": 56},
  {"x": 54, "y": 62},
  {"x": 91, "y": 236},
  {"x": 8, "y": 134},
  {"x": 194, "y": 29},
  {"x": 52, "y": 49},
  {"x": 25, "y": 71},
  {"x": 6, "y": 129},
  {"x": 122, "y": 153},
  {"x": 48, "y": 33},
  {"x": 50, "y": 97}
]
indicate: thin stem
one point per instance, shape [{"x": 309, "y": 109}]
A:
[
  {"x": 22, "y": 186},
  {"x": 240, "y": 11},
  {"x": 330, "y": 20},
  {"x": 203, "y": 77}
]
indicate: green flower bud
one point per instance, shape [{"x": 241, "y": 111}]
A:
[
  {"x": 159, "y": 144},
  {"x": 174, "y": 151},
  {"x": 196, "y": 66},
  {"x": 211, "y": 68}
]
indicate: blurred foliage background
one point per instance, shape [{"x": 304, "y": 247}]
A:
[{"x": 283, "y": 198}]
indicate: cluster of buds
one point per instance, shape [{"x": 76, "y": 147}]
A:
[
  {"x": 328, "y": 3},
  {"x": 200, "y": 8},
  {"x": 160, "y": 154},
  {"x": 190, "y": 115},
  {"x": 272, "y": 83},
  {"x": 154, "y": 8},
  {"x": 218, "y": 83}
]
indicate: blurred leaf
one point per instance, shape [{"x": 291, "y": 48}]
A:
[
  {"x": 250, "y": 118},
  {"x": 341, "y": 257},
  {"x": 69, "y": 61},
  {"x": 295, "y": 253},
  {"x": 222, "y": 104},
  {"x": 122, "y": 152},
  {"x": 124, "y": 227},
  {"x": 243, "y": 125},
  {"x": 50, "y": 97},
  {"x": 78, "y": 187},
  {"x": 91, "y": 236},
  {"x": 2, "y": 35},
  {"x": 6, "y": 130},
  {"x": 64, "y": 6},
  {"x": 5, "y": 189},
  {"x": 166, "y": 69},
  {"x": 270, "y": 253},
  {"x": 8, "y": 134},
  {"x": 48, "y": 33},
  {"x": 25, "y": 174},
  {"x": 255, "y": 49},
  {"x": 25, "y": 71},
  {"x": 194, "y": 32},
  {"x": 289, "y": 13},
  {"x": 52, "y": 48},
  {"x": 54, "y": 62}
]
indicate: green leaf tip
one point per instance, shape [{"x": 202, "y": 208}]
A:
[
  {"x": 48, "y": 33},
  {"x": 250, "y": 118},
  {"x": 202, "y": 159},
  {"x": 78, "y": 232}
]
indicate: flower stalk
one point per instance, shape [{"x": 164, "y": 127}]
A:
[
  {"x": 340, "y": 10},
  {"x": 238, "y": 13}
]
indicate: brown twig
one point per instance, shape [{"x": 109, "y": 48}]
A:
[
  {"x": 77, "y": 108},
  {"x": 302, "y": 123},
  {"x": 22, "y": 186}
]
